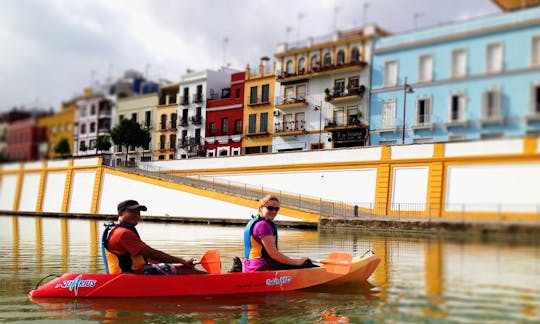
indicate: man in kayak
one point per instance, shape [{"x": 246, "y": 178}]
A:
[
  {"x": 126, "y": 252},
  {"x": 261, "y": 242}
]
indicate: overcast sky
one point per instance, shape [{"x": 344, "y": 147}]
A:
[{"x": 51, "y": 49}]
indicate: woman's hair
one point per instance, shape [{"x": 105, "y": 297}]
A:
[{"x": 267, "y": 198}]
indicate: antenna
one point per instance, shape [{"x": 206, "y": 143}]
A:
[
  {"x": 225, "y": 42},
  {"x": 336, "y": 9},
  {"x": 417, "y": 15},
  {"x": 364, "y": 12},
  {"x": 300, "y": 17}
]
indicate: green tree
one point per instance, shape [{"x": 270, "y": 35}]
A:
[
  {"x": 103, "y": 143},
  {"x": 83, "y": 147},
  {"x": 62, "y": 147},
  {"x": 129, "y": 133}
]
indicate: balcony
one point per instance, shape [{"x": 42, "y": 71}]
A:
[
  {"x": 352, "y": 93},
  {"x": 318, "y": 70},
  {"x": 197, "y": 119},
  {"x": 284, "y": 102},
  {"x": 252, "y": 131},
  {"x": 255, "y": 101},
  {"x": 198, "y": 98},
  {"x": 290, "y": 128},
  {"x": 184, "y": 100},
  {"x": 422, "y": 122},
  {"x": 183, "y": 121},
  {"x": 352, "y": 121}
]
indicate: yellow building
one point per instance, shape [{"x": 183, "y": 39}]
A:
[
  {"x": 166, "y": 123},
  {"x": 58, "y": 126},
  {"x": 258, "y": 109}
]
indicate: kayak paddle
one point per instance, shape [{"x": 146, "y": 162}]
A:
[
  {"x": 211, "y": 261},
  {"x": 337, "y": 262}
]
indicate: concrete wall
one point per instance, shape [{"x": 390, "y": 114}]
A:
[{"x": 488, "y": 179}]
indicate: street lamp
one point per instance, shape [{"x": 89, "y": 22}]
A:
[
  {"x": 319, "y": 108},
  {"x": 406, "y": 89}
]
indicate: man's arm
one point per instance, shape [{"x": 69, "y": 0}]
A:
[{"x": 160, "y": 256}]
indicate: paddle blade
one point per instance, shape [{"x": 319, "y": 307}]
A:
[
  {"x": 211, "y": 261},
  {"x": 338, "y": 262}
]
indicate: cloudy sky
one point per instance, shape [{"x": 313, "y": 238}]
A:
[{"x": 51, "y": 49}]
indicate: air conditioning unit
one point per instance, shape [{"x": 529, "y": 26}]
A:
[{"x": 276, "y": 113}]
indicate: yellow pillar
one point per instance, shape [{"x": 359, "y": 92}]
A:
[
  {"x": 18, "y": 188},
  {"x": 39, "y": 244},
  {"x": 64, "y": 243},
  {"x": 529, "y": 145},
  {"x": 41, "y": 190},
  {"x": 67, "y": 187},
  {"x": 435, "y": 182},
  {"x": 15, "y": 252},
  {"x": 383, "y": 183},
  {"x": 433, "y": 269},
  {"x": 97, "y": 189},
  {"x": 94, "y": 245}
]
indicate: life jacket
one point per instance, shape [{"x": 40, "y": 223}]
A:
[
  {"x": 252, "y": 247},
  {"x": 115, "y": 264}
]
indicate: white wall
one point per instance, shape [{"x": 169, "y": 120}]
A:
[
  {"x": 409, "y": 188},
  {"x": 7, "y": 191},
  {"x": 29, "y": 192},
  {"x": 82, "y": 189},
  {"x": 54, "y": 191}
]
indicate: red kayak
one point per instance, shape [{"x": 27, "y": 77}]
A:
[{"x": 338, "y": 268}]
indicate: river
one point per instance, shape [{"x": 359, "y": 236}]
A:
[{"x": 421, "y": 278}]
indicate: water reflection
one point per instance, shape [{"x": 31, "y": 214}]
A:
[{"x": 419, "y": 278}]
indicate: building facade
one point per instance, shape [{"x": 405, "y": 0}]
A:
[
  {"x": 93, "y": 118},
  {"x": 321, "y": 96},
  {"x": 142, "y": 109},
  {"x": 24, "y": 137},
  {"x": 475, "y": 79},
  {"x": 166, "y": 123},
  {"x": 258, "y": 108},
  {"x": 195, "y": 89},
  {"x": 224, "y": 114},
  {"x": 57, "y": 127}
]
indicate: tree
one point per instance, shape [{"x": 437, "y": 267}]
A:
[
  {"x": 83, "y": 147},
  {"x": 103, "y": 143},
  {"x": 129, "y": 133},
  {"x": 62, "y": 147}
]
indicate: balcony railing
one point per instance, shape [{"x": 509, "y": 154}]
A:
[
  {"x": 290, "y": 126},
  {"x": 317, "y": 68},
  {"x": 344, "y": 121},
  {"x": 198, "y": 98},
  {"x": 291, "y": 100},
  {"x": 184, "y": 100},
  {"x": 253, "y": 101}
]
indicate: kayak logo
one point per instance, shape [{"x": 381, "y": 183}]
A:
[
  {"x": 278, "y": 281},
  {"x": 75, "y": 284}
]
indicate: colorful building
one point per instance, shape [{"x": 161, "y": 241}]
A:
[
  {"x": 24, "y": 137},
  {"x": 468, "y": 80},
  {"x": 93, "y": 118},
  {"x": 57, "y": 127},
  {"x": 164, "y": 132},
  {"x": 196, "y": 87},
  {"x": 142, "y": 109},
  {"x": 321, "y": 99},
  {"x": 224, "y": 114},
  {"x": 258, "y": 108}
]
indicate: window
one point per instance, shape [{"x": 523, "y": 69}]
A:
[
  {"x": 173, "y": 120},
  {"x": 92, "y": 127},
  {"x": 172, "y": 141},
  {"x": 237, "y": 93},
  {"x": 212, "y": 129},
  {"x": 535, "y": 51},
  {"x": 535, "y": 99},
  {"x": 315, "y": 64},
  {"x": 253, "y": 95},
  {"x": 147, "y": 119},
  {"x": 327, "y": 61},
  {"x": 339, "y": 87},
  {"x": 146, "y": 146},
  {"x": 252, "y": 127},
  {"x": 134, "y": 116},
  {"x": 238, "y": 126},
  {"x": 289, "y": 67},
  {"x": 185, "y": 99},
  {"x": 355, "y": 55},
  {"x": 92, "y": 144},
  {"x": 83, "y": 129},
  {"x": 162, "y": 140},
  {"x": 299, "y": 120},
  {"x": 163, "y": 121},
  {"x": 265, "y": 93},
  {"x": 93, "y": 110},
  {"x": 423, "y": 111},
  {"x": 390, "y": 73},
  {"x": 389, "y": 114},
  {"x": 491, "y": 107},
  {"x": 224, "y": 126},
  {"x": 301, "y": 65},
  {"x": 494, "y": 58},
  {"x": 68, "y": 126},
  {"x": 301, "y": 92},
  {"x": 457, "y": 107},
  {"x": 289, "y": 94},
  {"x": 340, "y": 57},
  {"x": 264, "y": 122},
  {"x": 425, "y": 72},
  {"x": 459, "y": 63},
  {"x": 121, "y": 117},
  {"x": 352, "y": 116},
  {"x": 339, "y": 117},
  {"x": 288, "y": 123}
]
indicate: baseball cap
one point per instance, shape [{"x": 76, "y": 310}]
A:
[{"x": 130, "y": 204}]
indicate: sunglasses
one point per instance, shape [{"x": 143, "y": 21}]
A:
[{"x": 272, "y": 208}]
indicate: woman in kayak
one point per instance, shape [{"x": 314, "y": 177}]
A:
[
  {"x": 261, "y": 242},
  {"x": 126, "y": 252}
]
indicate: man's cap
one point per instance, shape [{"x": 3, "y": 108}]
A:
[{"x": 130, "y": 204}]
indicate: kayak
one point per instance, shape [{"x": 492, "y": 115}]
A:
[{"x": 338, "y": 268}]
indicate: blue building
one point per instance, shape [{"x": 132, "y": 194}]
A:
[{"x": 468, "y": 80}]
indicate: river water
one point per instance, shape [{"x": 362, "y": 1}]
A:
[{"x": 420, "y": 278}]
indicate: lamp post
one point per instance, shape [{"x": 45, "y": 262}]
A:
[
  {"x": 406, "y": 89},
  {"x": 319, "y": 108}
]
